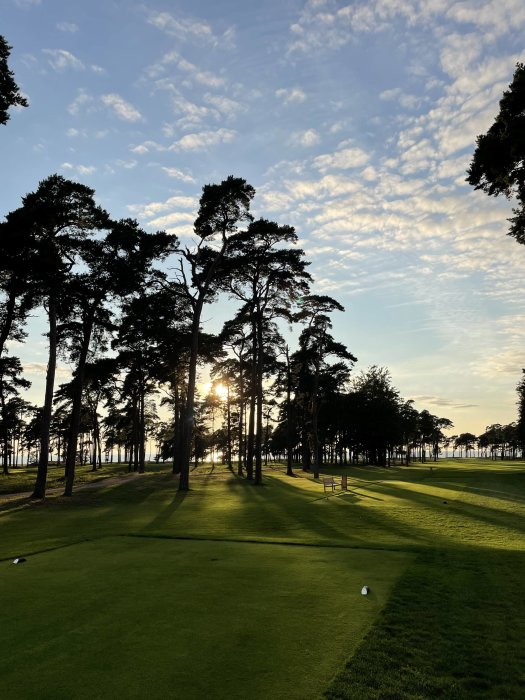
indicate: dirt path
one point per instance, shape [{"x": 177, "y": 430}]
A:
[{"x": 13, "y": 499}]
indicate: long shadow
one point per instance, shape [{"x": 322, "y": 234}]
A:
[
  {"x": 167, "y": 512},
  {"x": 283, "y": 508},
  {"x": 510, "y": 522},
  {"x": 491, "y": 516},
  {"x": 335, "y": 523},
  {"x": 484, "y": 492},
  {"x": 88, "y": 514}
]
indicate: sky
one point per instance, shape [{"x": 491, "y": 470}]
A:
[{"x": 355, "y": 122}]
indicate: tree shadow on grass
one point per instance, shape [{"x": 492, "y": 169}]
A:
[{"x": 167, "y": 512}]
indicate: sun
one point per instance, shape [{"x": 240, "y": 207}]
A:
[{"x": 221, "y": 391}]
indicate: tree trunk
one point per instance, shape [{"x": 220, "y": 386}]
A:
[
  {"x": 43, "y": 462},
  {"x": 305, "y": 449},
  {"x": 250, "y": 441},
  {"x": 74, "y": 424},
  {"x": 142, "y": 428},
  {"x": 289, "y": 440},
  {"x": 5, "y": 435},
  {"x": 259, "y": 402},
  {"x": 176, "y": 429},
  {"x": 189, "y": 418},
  {"x": 241, "y": 416},
  {"x": 228, "y": 428},
  {"x": 314, "y": 415}
]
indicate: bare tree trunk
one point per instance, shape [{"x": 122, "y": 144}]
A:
[
  {"x": 228, "y": 428},
  {"x": 258, "y": 390},
  {"x": 43, "y": 462},
  {"x": 176, "y": 461},
  {"x": 74, "y": 424},
  {"x": 314, "y": 415},
  {"x": 241, "y": 416},
  {"x": 142, "y": 428},
  {"x": 289, "y": 441},
  {"x": 189, "y": 419},
  {"x": 250, "y": 444},
  {"x": 5, "y": 434}
]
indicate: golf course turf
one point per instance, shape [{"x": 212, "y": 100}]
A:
[{"x": 132, "y": 590}]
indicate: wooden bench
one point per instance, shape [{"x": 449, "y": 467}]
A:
[{"x": 330, "y": 483}]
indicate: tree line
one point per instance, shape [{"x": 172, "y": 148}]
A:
[{"x": 130, "y": 330}]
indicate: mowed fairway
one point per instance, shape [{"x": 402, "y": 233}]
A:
[{"x": 232, "y": 591}]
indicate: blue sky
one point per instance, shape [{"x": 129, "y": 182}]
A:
[{"x": 355, "y": 122}]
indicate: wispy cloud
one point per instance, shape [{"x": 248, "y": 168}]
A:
[
  {"x": 147, "y": 147},
  {"x": 60, "y": 60},
  {"x": 24, "y": 4},
  {"x": 174, "y": 58},
  {"x": 404, "y": 100},
  {"x": 431, "y": 400},
  {"x": 225, "y": 105},
  {"x": 113, "y": 102},
  {"x": 126, "y": 164},
  {"x": 41, "y": 368},
  {"x": 82, "y": 101},
  {"x": 122, "y": 109},
  {"x": 176, "y": 217},
  {"x": 192, "y": 115},
  {"x": 153, "y": 209},
  {"x": 178, "y": 174},
  {"x": 80, "y": 169},
  {"x": 68, "y": 27},
  {"x": 324, "y": 26},
  {"x": 345, "y": 159},
  {"x": 190, "y": 29},
  {"x": 203, "y": 140},
  {"x": 291, "y": 95},
  {"x": 306, "y": 138}
]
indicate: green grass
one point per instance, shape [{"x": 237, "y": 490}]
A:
[
  {"x": 154, "y": 618},
  {"x": 237, "y": 591}
]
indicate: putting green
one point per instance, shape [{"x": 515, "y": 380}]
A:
[{"x": 134, "y": 617}]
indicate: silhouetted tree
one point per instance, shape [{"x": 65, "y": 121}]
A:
[
  {"x": 57, "y": 217},
  {"x": 378, "y": 415},
  {"x": 10, "y": 383},
  {"x": 316, "y": 346},
  {"x": 9, "y": 91},
  {"x": 19, "y": 268},
  {"x": 114, "y": 267},
  {"x": 520, "y": 426},
  {"x": 498, "y": 164},
  {"x": 268, "y": 276},
  {"x": 466, "y": 441},
  {"x": 222, "y": 208}
]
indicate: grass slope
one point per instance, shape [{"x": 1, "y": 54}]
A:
[{"x": 224, "y": 609}]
